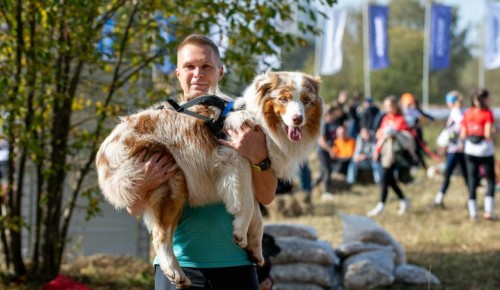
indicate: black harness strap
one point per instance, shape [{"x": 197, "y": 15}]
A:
[{"x": 208, "y": 100}]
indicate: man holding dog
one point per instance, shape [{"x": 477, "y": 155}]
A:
[{"x": 203, "y": 240}]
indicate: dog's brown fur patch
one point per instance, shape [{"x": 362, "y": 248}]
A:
[{"x": 146, "y": 124}]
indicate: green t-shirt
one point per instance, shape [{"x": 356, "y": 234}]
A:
[{"x": 204, "y": 239}]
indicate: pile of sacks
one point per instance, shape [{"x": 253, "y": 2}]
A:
[
  {"x": 371, "y": 257},
  {"x": 304, "y": 262}
]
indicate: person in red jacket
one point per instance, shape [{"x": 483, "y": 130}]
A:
[
  {"x": 476, "y": 135},
  {"x": 389, "y": 130}
]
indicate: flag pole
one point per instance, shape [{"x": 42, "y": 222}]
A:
[
  {"x": 366, "y": 49},
  {"x": 425, "y": 77},
  {"x": 318, "y": 50},
  {"x": 482, "y": 39}
]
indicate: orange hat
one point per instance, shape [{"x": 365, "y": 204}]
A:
[{"x": 407, "y": 99}]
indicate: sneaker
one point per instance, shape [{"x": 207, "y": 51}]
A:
[
  {"x": 438, "y": 205},
  {"x": 490, "y": 216},
  {"x": 327, "y": 196},
  {"x": 471, "y": 205},
  {"x": 404, "y": 206},
  {"x": 379, "y": 208}
]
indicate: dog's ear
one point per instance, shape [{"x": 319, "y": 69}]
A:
[
  {"x": 266, "y": 82},
  {"x": 313, "y": 83}
]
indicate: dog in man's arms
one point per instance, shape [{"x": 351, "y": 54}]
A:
[{"x": 286, "y": 105}]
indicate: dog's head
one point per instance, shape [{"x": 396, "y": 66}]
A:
[
  {"x": 269, "y": 246},
  {"x": 288, "y": 103}
]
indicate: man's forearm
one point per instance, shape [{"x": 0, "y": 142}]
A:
[{"x": 264, "y": 183}]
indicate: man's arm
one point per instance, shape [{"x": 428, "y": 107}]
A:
[
  {"x": 251, "y": 144},
  {"x": 264, "y": 183}
]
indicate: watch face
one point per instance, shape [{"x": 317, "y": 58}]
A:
[{"x": 265, "y": 164}]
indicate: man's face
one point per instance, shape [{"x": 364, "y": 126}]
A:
[{"x": 197, "y": 70}]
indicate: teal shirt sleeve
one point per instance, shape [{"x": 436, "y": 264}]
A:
[{"x": 204, "y": 239}]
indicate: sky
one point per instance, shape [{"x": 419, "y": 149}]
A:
[{"x": 470, "y": 11}]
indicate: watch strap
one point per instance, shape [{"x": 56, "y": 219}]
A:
[{"x": 262, "y": 166}]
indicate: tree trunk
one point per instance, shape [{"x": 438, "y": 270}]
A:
[
  {"x": 5, "y": 258},
  {"x": 14, "y": 203}
]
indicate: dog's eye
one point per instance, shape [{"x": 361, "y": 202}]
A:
[
  {"x": 305, "y": 100},
  {"x": 284, "y": 100}
]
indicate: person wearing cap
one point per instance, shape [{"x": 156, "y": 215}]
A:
[
  {"x": 454, "y": 154},
  {"x": 414, "y": 117}
]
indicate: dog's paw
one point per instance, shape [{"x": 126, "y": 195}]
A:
[
  {"x": 256, "y": 257},
  {"x": 240, "y": 240},
  {"x": 178, "y": 278}
]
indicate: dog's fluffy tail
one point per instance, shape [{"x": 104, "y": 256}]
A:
[{"x": 117, "y": 174}]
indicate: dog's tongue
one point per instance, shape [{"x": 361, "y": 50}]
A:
[{"x": 294, "y": 134}]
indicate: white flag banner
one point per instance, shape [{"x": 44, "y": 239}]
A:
[
  {"x": 492, "y": 41},
  {"x": 218, "y": 34},
  {"x": 331, "y": 43},
  {"x": 269, "y": 61}
]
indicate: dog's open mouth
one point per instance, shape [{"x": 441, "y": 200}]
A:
[{"x": 294, "y": 133}]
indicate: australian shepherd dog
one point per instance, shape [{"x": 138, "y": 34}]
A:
[{"x": 286, "y": 105}]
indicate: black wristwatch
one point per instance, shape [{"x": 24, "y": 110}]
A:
[{"x": 263, "y": 165}]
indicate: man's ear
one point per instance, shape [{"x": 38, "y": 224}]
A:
[{"x": 221, "y": 71}]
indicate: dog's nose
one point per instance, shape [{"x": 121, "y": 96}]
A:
[{"x": 297, "y": 119}]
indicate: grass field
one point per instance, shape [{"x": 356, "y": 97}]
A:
[{"x": 463, "y": 254}]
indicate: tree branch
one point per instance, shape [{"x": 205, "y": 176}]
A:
[{"x": 68, "y": 212}]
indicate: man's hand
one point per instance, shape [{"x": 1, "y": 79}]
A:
[
  {"x": 360, "y": 157},
  {"x": 250, "y": 143},
  {"x": 156, "y": 170}
]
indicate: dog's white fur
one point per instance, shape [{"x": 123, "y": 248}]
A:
[{"x": 285, "y": 104}]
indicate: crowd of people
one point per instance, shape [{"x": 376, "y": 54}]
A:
[{"x": 357, "y": 134}]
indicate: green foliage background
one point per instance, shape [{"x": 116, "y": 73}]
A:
[{"x": 59, "y": 97}]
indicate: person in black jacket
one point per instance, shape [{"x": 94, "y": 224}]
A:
[{"x": 368, "y": 115}]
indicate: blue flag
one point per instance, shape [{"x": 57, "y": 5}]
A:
[
  {"x": 379, "y": 36},
  {"x": 440, "y": 30},
  {"x": 492, "y": 43}
]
